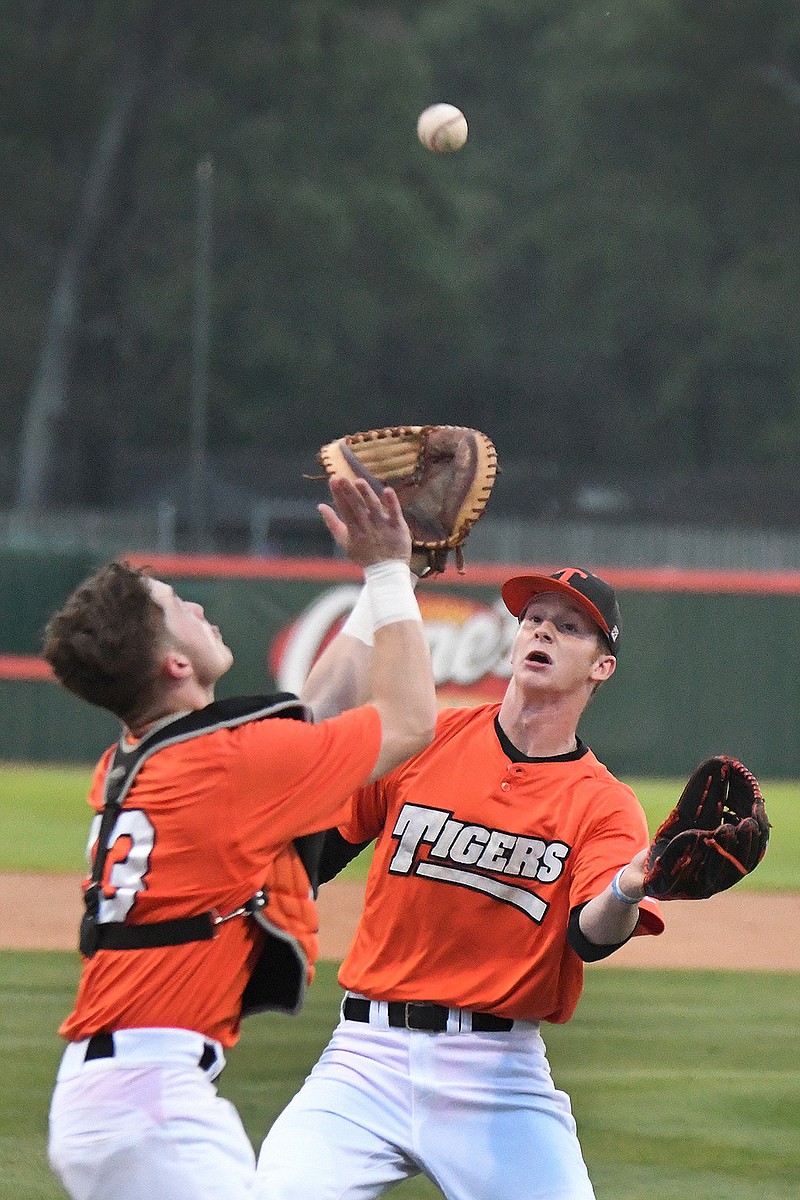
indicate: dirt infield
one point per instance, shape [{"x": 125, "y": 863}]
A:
[{"x": 734, "y": 931}]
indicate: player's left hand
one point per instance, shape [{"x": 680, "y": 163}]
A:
[{"x": 632, "y": 881}]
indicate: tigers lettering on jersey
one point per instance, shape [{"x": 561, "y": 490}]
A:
[{"x": 460, "y": 852}]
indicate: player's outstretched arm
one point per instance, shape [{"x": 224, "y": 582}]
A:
[
  {"x": 341, "y": 676},
  {"x": 394, "y": 673},
  {"x": 611, "y": 917}
]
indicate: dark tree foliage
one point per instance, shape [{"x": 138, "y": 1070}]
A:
[{"x": 606, "y": 275}]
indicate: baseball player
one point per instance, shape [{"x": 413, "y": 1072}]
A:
[
  {"x": 198, "y": 908},
  {"x": 507, "y": 855}
]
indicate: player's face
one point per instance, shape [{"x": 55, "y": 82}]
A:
[
  {"x": 191, "y": 634},
  {"x": 557, "y": 647}
]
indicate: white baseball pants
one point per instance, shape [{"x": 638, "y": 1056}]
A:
[
  {"x": 477, "y": 1113},
  {"x": 147, "y": 1123}
]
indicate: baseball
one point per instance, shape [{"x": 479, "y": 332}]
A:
[{"x": 442, "y": 128}]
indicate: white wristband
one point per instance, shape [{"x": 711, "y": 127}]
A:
[
  {"x": 391, "y": 596},
  {"x": 618, "y": 892},
  {"x": 359, "y": 623}
]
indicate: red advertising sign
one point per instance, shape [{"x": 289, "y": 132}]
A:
[{"x": 470, "y": 643}]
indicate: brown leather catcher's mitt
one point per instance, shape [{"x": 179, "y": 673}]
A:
[
  {"x": 715, "y": 835},
  {"x": 442, "y": 474}
]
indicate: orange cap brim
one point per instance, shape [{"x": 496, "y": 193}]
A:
[{"x": 518, "y": 591}]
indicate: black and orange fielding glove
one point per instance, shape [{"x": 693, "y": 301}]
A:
[{"x": 715, "y": 835}]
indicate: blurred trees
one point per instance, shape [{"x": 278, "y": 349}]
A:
[{"x": 607, "y": 273}]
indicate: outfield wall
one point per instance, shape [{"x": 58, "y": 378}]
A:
[{"x": 709, "y": 662}]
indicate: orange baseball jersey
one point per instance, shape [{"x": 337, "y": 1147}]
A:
[
  {"x": 478, "y": 862},
  {"x": 206, "y": 824}
]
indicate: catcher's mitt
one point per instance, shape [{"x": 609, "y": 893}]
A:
[
  {"x": 442, "y": 474},
  {"x": 716, "y": 834}
]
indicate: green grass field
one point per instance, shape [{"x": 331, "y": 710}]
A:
[
  {"x": 684, "y": 1084},
  {"x": 45, "y": 823}
]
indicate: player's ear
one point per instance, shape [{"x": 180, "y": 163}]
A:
[
  {"x": 603, "y": 668},
  {"x": 176, "y": 665}
]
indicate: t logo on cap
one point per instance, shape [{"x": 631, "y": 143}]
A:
[{"x": 566, "y": 575}]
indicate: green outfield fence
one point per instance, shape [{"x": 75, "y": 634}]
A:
[{"x": 710, "y": 660}]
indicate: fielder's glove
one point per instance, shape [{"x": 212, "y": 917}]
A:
[
  {"x": 715, "y": 835},
  {"x": 442, "y": 474}
]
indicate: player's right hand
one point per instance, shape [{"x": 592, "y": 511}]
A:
[{"x": 367, "y": 527}]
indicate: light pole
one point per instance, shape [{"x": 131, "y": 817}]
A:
[{"x": 198, "y": 465}]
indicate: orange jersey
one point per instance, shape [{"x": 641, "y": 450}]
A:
[
  {"x": 206, "y": 824},
  {"x": 478, "y": 862}
]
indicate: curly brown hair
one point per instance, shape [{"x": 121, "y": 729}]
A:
[{"x": 103, "y": 644}]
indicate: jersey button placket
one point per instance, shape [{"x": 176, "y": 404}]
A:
[
  {"x": 510, "y": 772},
  {"x": 514, "y": 774}
]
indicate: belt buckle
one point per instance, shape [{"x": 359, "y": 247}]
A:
[
  {"x": 433, "y": 1024},
  {"x": 409, "y": 1008}
]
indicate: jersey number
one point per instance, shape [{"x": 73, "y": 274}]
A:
[{"x": 130, "y": 845}]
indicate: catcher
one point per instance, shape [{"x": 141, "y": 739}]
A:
[{"x": 207, "y": 820}]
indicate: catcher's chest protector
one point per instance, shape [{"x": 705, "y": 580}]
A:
[{"x": 278, "y": 979}]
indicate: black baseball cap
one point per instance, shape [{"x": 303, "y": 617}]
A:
[{"x": 593, "y": 594}]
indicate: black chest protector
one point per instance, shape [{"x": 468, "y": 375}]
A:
[{"x": 278, "y": 979}]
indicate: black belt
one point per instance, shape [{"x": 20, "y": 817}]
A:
[
  {"x": 101, "y": 1045},
  {"x": 415, "y": 1015}
]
